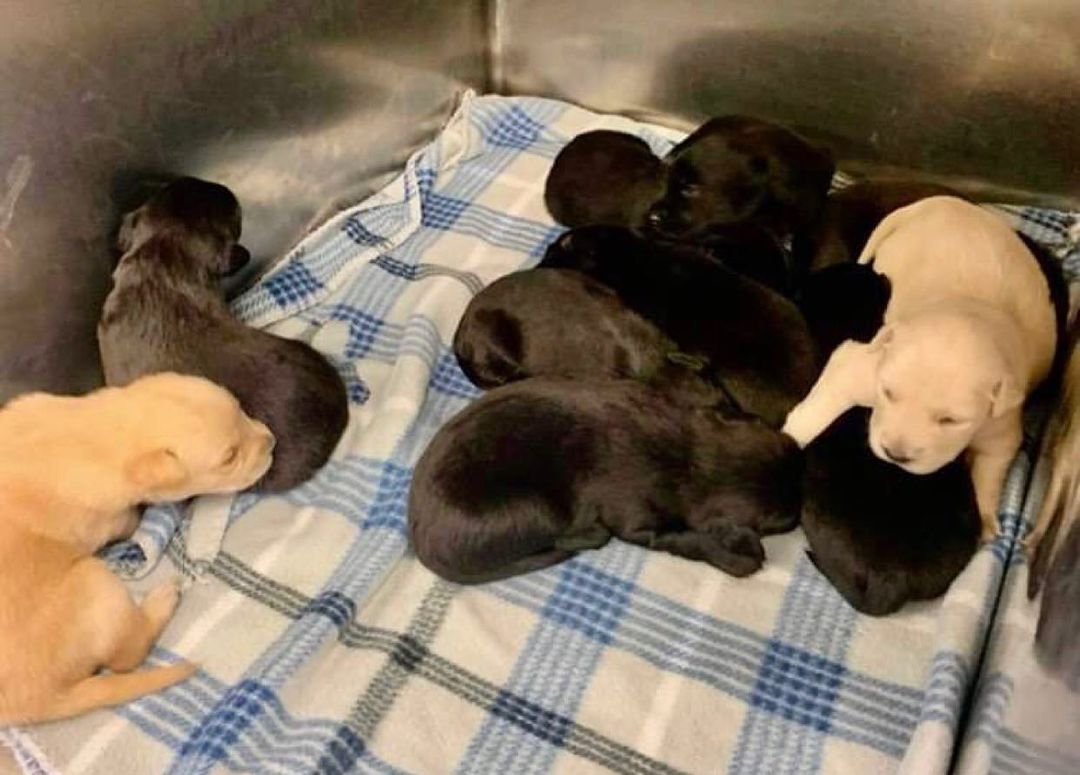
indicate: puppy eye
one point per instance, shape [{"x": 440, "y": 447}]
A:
[
  {"x": 230, "y": 456},
  {"x": 947, "y": 420},
  {"x": 889, "y": 395},
  {"x": 690, "y": 190}
]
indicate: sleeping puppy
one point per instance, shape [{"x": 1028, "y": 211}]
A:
[
  {"x": 741, "y": 170},
  {"x": 167, "y": 312},
  {"x": 72, "y": 472},
  {"x": 539, "y": 470},
  {"x": 561, "y": 323},
  {"x": 603, "y": 177},
  {"x": 558, "y": 323},
  {"x": 755, "y": 341},
  {"x": 850, "y": 216},
  {"x": 880, "y": 535},
  {"x": 969, "y": 332}
]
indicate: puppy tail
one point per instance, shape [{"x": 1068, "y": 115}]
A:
[
  {"x": 102, "y": 691},
  {"x": 884, "y": 230}
]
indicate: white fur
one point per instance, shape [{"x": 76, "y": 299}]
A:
[{"x": 969, "y": 332}]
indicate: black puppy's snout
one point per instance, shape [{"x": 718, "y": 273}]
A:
[{"x": 656, "y": 216}]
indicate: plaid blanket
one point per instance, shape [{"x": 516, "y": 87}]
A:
[{"x": 325, "y": 647}]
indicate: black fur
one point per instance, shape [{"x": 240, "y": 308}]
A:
[
  {"x": 561, "y": 323},
  {"x": 851, "y": 214},
  {"x": 553, "y": 322},
  {"x": 603, "y": 177},
  {"x": 754, "y": 339},
  {"x": 539, "y": 470},
  {"x": 167, "y": 312},
  {"x": 841, "y": 302},
  {"x": 883, "y": 536},
  {"x": 1059, "y": 298},
  {"x": 750, "y": 251},
  {"x": 741, "y": 170},
  {"x": 880, "y": 535}
]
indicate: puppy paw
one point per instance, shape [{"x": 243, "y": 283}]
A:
[
  {"x": 737, "y": 550},
  {"x": 799, "y": 427},
  {"x": 160, "y": 602}
]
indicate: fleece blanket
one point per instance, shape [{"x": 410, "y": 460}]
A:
[{"x": 325, "y": 647}]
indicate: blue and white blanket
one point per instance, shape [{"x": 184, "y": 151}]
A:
[{"x": 325, "y": 647}]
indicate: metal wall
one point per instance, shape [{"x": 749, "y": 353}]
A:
[
  {"x": 304, "y": 105},
  {"x": 975, "y": 91},
  {"x": 297, "y": 105}
]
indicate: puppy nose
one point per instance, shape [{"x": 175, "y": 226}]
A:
[{"x": 896, "y": 456}]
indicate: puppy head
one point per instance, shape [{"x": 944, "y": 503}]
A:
[
  {"x": 940, "y": 377},
  {"x": 203, "y": 217},
  {"x": 190, "y": 437},
  {"x": 736, "y": 169}
]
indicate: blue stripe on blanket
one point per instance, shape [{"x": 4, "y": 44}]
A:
[{"x": 598, "y": 587}]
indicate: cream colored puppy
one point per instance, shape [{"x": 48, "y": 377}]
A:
[
  {"x": 969, "y": 331},
  {"x": 72, "y": 471}
]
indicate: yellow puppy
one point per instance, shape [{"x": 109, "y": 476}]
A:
[
  {"x": 72, "y": 471},
  {"x": 969, "y": 332}
]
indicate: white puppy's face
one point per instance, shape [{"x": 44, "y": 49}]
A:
[
  {"x": 195, "y": 439},
  {"x": 938, "y": 382}
]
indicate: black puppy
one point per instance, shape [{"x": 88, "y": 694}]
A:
[
  {"x": 882, "y": 536},
  {"x": 539, "y": 470},
  {"x": 167, "y": 312},
  {"x": 613, "y": 178},
  {"x": 558, "y": 323},
  {"x": 755, "y": 340},
  {"x": 561, "y": 323},
  {"x": 741, "y": 170},
  {"x": 603, "y": 177}
]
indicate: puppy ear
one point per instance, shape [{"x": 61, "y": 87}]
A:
[
  {"x": 156, "y": 471},
  {"x": 882, "y": 339},
  {"x": 1005, "y": 396}
]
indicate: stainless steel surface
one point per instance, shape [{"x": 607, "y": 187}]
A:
[
  {"x": 302, "y": 106},
  {"x": 298, "y": 106},
  {"x": 984, "y": 94}
]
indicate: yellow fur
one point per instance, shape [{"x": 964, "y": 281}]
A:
[{"x": 72, "y": 471}]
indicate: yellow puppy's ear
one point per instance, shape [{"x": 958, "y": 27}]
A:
[
  {"x": 1005, "y": 396},
  {"x": 881, "y": 339},
  {"x": 156, "y": 471}
]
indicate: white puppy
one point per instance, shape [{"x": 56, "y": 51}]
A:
[{"x": 969, "y": 332}]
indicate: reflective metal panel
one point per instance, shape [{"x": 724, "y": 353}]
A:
[
  {"x": 299, "y": 106},
  {"x": 978, "y": 93}
]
